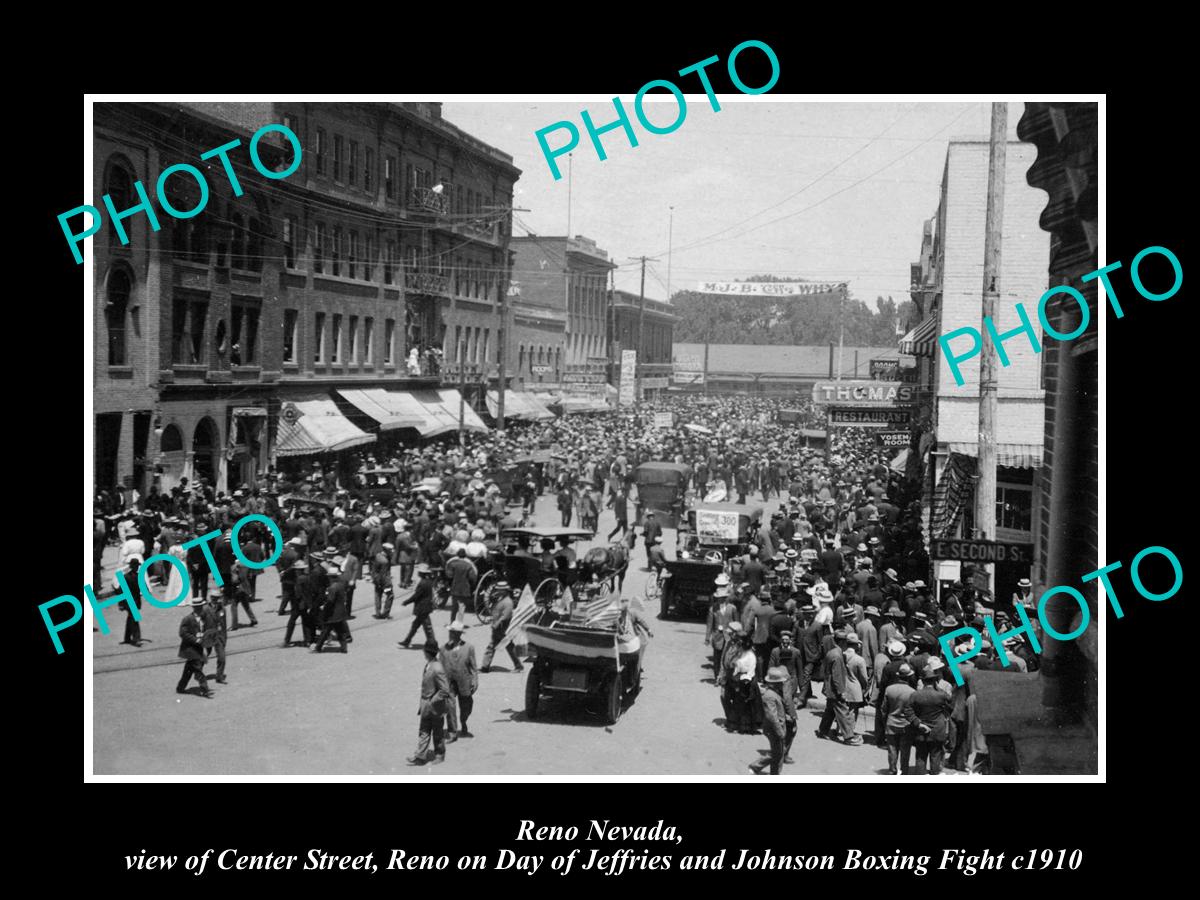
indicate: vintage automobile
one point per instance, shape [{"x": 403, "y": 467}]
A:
[
  {"x": 661, "y": 487},
  {"x": 580, "y": 655},
  {"x": 716, "y": 532},
  {"x": 547, "y": 578}
]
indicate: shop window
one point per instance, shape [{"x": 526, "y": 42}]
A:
[
  {"x": 116, "y": 310},
  {"x": 291, "y": 322},
  {"x": 1014, "y": 507}
]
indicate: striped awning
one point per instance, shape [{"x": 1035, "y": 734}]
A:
[
  {"x": 1017, "y": 456},
  {"x": 921, "y": 340},
  {"x": 434, "y": 411},
  {"x": 952, "y": 492},
  {"x": 518, "y": 405},
  {"x": 389, "y": 408},
  {"x": 320, "y": 429}
]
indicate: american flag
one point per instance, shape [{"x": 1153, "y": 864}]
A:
[
  {"x": 526, "y": 609},
  {"x": 603, "y": 611}
]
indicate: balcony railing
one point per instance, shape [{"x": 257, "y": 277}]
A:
[{"x": 427, "y": 200}]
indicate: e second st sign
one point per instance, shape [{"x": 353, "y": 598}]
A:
[{"x": 980, "y": 551}]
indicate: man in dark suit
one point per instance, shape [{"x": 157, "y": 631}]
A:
[
  {"x": 435, "y": 691},
  {"x": 502, "y": 613},
  {"x": 754, "y": 573},
  {"x": 215, "y": 632},
  {"x": 422, "y": 604},
  {"x": 462, "y": 575},
  {"x": 928, "y": 709},
  {"x": 191, "y": 649},
  {"x": 302, "y": 605},
  {"x": 832, "y": 563},
  {"x": 458, "y": 659},
  {"x": 335, "y": 611},
  {"x": 287, "y": 575},
  {"x": 837, "y": 703},
  {"x": 650, "y": 530},
  {"x": 810, "y": 653}
]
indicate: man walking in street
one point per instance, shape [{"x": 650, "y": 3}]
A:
[
  {"x": 928, "y": 709},
  {"x": 422, "y": 604},
  {"x": 462, "y": 575},
  {"x": 458, "y": 659},
  {"x": 302, "y": 606},
  {"x": 191, "y": 649},
  {"x": 837, "y": 689},
  {"x": 215, "y": 632},
  {"x": 435, "y": 690},
  {"x": 502, "y": 613},
  {"x": 381, "y": 577},
  {"x": 776, "y": 720},
  {"x": 335, "y": 612}
]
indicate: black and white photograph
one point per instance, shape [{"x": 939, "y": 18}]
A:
[{"x": 677, "y": 436}]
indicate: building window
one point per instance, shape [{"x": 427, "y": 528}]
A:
[
  {"x": 187, "y": 331},
  {"x": 352, "y": 168},
  {"x": 320, "y": 249},
  {"x": 338, "y": 150},
  {"x": 458, "y": 199},
  {"x": 338, "y": 250},
  {"x": 389, "y": 342},
  {"x": 289, "y": 241},
  {"x": 1014, "y": 507},
  {"x": 116, "y": 309},
  {"x": 389, "y": 262},
  {"x": 352, "y": 356},
  {"x": 368, "y": 262},
  {"x": 237, "y": 252},
  {"x": 319, "y": 339},
  {"x": 245, "y": 313},
  {"x": 368, "y": 169},
  {"x": 291, "y": 321},
  {"x": 389, "y": 177},
  {"x": 336, "y": 347},
  {"x": 521, "y": 358},
  {"x": 119, "y": 188},
  {"x": 369, "y": 341},
  {"x": 352, "y": 254},
  {"x": 320, "y": 151}
]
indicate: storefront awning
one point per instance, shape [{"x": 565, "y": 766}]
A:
[
  {"x": 390, "y": 409},
  {"x": 321, "y": 428},
  {"x": 430, "y": 412},
  {"x": 518, "y": 405},
  {"x": 1017, "y": 456},
  {"x": 921, "y": 340}
]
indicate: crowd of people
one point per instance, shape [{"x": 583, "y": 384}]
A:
[{"x": 832, "y": 592}]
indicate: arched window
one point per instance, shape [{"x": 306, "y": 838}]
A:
[
  {"x": 119, "y": 186},
  {"x": 116, "y": 310},
  {"x": 171, "y": 440}
]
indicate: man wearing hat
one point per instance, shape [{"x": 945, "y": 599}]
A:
[
  {"x": 892, "y": 722},
  {"x": 458, "y": 659},
  {"x": 215, "y": 631},
  {"x": 858, "y": 679},
  {"x": 435, "y": 691},
  {"x": 811, "y": 653},
  {"x": 893, "y": 628},
  {"x": 837, "y": 693},
  {"x": 287, "y": 576},
  {"x": 1024, "y": 595},
  {"x": 422, "y": 604},
  {"x": 720, "y": 613},
  {"x": 779, "y": 720},
  {"x": 868, "y": 632},
  {"x": 928, "y": 709},
  {"x": 381, "y": 577},
  {"x": 756, "y": 620},
  {"x": 651, "y": 529},
  {"x": 191, "y": 649},
  {"x": 887, "y": 667},
  {"x": 502, "y": 613},
  {"x": 302, "y": 606},
  {"x": 787, "y": 655},
  {"x": 336, "y": 609}
]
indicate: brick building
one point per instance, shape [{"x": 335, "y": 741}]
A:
[
  {"x": 655, "y": 322},
  {"x": 948, "y": 285},
  {"x": 559, "y": 337},
  {"x": 305, "y": 293}
]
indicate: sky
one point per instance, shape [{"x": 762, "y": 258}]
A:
[{"x": 850, "y": 184}]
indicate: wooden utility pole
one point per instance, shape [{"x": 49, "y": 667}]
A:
[
  {"x": 462, "y": 391},
  {"x": 502, "y": 330},
  {"x": 841, "y": 327},
  {"x": 985, "y": 489},
  {"x": 641, "y": 343}
]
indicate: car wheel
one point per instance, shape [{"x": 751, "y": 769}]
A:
[{"x": 613, "y": 710}]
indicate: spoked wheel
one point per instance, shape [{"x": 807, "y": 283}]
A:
[
  {"x": 547, "y": 592},
  {"x": 483, "y": 597},
  {"x": 612, "y": 711},
  {"x": 533, "y": 692}
]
